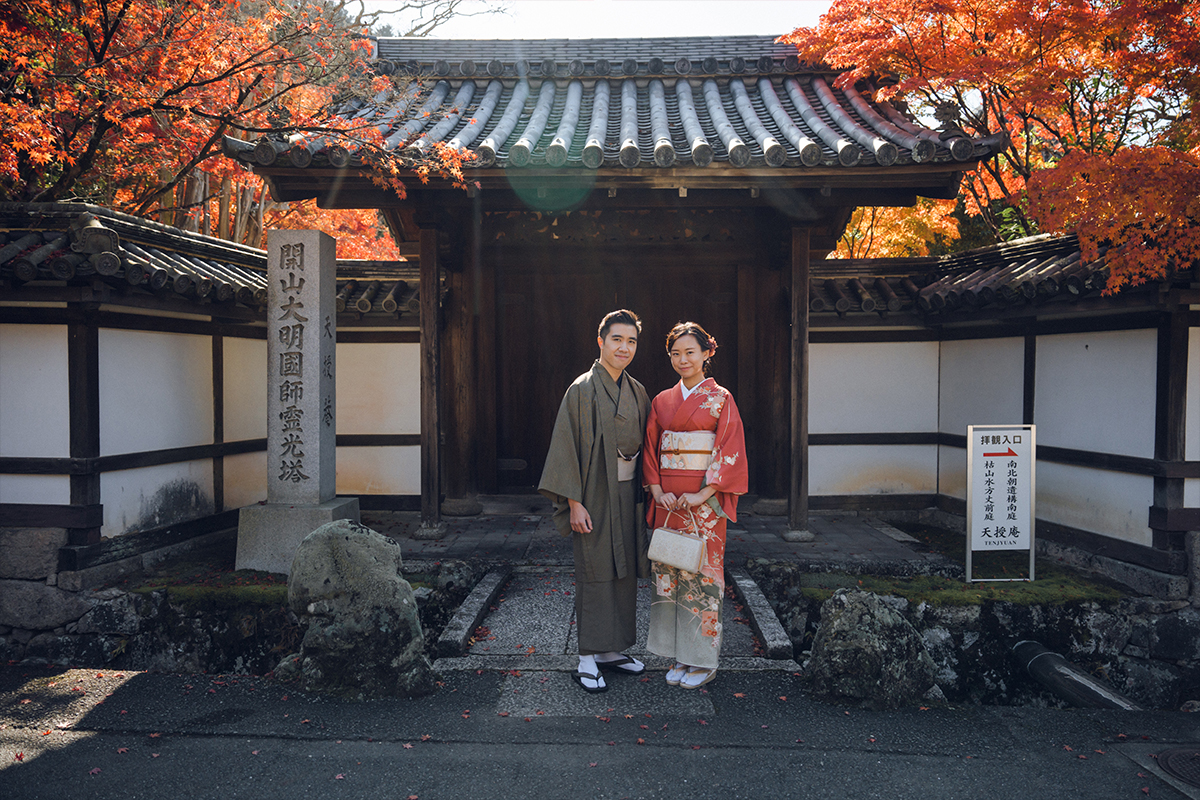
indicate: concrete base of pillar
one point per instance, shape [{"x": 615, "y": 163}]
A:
[
  {"x": 798, "y": 536},
  {"x": 268, "y": 535},
  {"x": 430, "y": 532}
]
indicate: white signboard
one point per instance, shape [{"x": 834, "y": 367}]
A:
[{"x": 1001, "y": 460}]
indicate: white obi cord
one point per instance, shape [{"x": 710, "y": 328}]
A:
[{"x": 690, "y": 450}]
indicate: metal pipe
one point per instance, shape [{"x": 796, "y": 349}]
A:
[{"x": 1067, "y": 680}]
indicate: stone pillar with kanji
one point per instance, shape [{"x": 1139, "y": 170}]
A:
[{"x": 301, "y": 403}]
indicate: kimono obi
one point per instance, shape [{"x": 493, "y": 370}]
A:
[{"x": 688, "y": 450}]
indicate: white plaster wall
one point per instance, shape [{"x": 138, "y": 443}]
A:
[
  {"x": 245, "y": 479},
  {"x": 873, "y": 387},
  {"x": 155, "y": 391},
  {"x": 1095, "y": 391},
  {"x": 54, "y": 490},
  {"x": 245, "y": 376},
  {"x": 1191, "y": 414},
  {"x": 1191, "y": 493},
  {"x": 151, "y": 497},
  {"x": 982, "y": 382},
  {"x": 1109, "y": 503},
  {"x": 952, "y": 472},
  {"x": 872, "y": 469},
  {"x": 379, "y": 470},
  {"x": 34, "y": 402},
  {"x": 378, "y": 388}
]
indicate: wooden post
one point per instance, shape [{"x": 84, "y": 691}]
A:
[
  {"x": 431, "y": 486},
  {"x": 747, "y": 359},
  {"x": 798, "y": 486},
  {"x": 218, "y": 387},
  {"x": 83, "y": 373},
  {"x": 485, "y": 348},
  {"x": 1169, "y": 439}
]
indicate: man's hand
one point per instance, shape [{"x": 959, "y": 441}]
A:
[{"x": 581, "y": 520}]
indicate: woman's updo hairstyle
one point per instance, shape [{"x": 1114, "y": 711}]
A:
[{"x": 693, "y": 329}]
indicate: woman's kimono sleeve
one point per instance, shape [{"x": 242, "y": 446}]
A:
[{"x": 728, "y": 472}]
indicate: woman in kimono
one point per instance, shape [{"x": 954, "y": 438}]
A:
[{"x": 694, "y": 463}]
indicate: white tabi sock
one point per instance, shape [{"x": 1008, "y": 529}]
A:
[{"x": 587, "y": 666}]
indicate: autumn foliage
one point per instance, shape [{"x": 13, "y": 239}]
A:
[
  {"x": 1094, "y": 100},
  {"x": 122, "y": 102}
]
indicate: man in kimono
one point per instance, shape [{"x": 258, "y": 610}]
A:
[{"x": 592, "y": 476}]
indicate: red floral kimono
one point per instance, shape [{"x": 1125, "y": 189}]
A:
[{"x": 685, "y": 615}]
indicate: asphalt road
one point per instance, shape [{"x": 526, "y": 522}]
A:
[{"x": 533, "y": 733}]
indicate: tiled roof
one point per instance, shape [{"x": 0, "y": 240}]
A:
[
  {"x": 1035, "y": 270},
  {"x": 47, "y": 245},
  {"x": 745, "y": 101}
]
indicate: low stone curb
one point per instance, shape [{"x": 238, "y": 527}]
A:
[
  {"x": 568, "y": 663},
  {"x": 453, "y": 641},
  {"x": 775, "y": 641}
]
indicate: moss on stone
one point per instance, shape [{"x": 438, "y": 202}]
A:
[{"x": 1054, "y": 586}]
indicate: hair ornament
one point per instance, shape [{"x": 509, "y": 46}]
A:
[{"x": 712, "y": 344}]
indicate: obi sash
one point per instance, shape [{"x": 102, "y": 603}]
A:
[{"x": 687, "y": 450}]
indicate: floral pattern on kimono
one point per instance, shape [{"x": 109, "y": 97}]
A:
[{"x": 685, "y": 614}]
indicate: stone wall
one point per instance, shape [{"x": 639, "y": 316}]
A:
[
  {"x": 1147, "y": 649},
  {"x": 118, "y": 629}
]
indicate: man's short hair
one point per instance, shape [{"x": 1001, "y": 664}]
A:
[{"x": 621, "y": 316}]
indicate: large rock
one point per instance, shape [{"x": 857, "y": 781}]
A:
[
  {"x": 868, "y": 653},
  {"x": 364, "y": 637},
  {"x": 36, "y": 606}
]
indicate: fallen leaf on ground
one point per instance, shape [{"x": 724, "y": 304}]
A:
[
  {"x": 739, "y": 694},
  {"x": 122, "y": 749},
  {"x": 94, "y": 771}
]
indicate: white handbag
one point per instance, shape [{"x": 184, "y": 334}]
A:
[{"x": 677, "y": 549}]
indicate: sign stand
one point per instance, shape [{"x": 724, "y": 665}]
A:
[{"x": 1001, "y": 462}]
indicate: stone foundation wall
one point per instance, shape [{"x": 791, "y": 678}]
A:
[{"x": 1147, "y": 649}]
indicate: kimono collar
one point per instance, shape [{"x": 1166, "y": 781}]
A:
[
  {"x": 686, "y": 392},
  {"x": 620, "y": 393}
]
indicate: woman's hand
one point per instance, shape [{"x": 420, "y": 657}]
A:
[
  {"x": 694, "y": 499},
  {"x": 667, "y": 500}
]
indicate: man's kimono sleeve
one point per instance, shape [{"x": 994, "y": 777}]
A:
[{"x": 563, "y": 476}]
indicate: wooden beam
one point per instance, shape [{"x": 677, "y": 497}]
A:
[
  {"x": 431, "y": 487},
  {"x": 798, "y": 486}
]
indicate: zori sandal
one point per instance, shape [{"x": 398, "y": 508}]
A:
[
  {"x": 675, "y": 674},
  {"x": 697, "y": 678},
  {"x": 630, "y": 666},
  {"x": 579, "y": 677}
]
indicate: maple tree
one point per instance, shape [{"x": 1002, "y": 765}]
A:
[
  {"x": 120, "y": 102},
  {"x": 1093, "y": 103}
]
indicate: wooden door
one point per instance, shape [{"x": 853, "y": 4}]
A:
[{"x": 548, "y": 307}]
